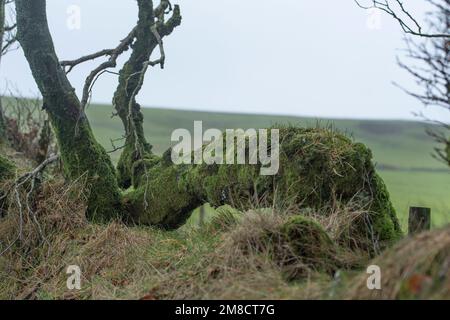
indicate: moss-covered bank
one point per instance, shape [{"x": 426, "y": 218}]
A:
[{"x": 319, "y": 168}]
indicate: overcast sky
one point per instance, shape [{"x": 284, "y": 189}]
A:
[{"x": 323, "y": 58}]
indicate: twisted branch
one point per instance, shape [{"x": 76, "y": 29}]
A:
[
  {"x": 111, "y": 63},
  {"x": 410, "y": 25}
]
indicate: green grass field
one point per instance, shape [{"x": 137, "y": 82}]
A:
[{"x": 401, "y": 149}]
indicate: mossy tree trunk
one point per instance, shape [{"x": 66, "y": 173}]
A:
[
  {"x": 2, "y": 31},
  {"x": 136, "y": 146},
  {"x": 131, "y": 81},
  {"x": 80, "y": 153},
  {"x": 320, "y": 171}
]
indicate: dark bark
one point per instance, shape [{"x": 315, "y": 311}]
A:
[
  {"x": 131, "y": 81},
  {"x": 136, "y": 146},
  {"x": 80, "y": 153},
  {"x": 2, "y": 31}
]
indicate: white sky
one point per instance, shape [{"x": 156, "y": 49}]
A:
[{"x": 310, "y": 58}]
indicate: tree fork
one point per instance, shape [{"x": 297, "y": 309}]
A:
[{"x": 151, "y": 28}]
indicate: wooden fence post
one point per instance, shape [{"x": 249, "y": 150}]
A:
[
  {"x": 202, "y": 214},
  {"x": 419, "y": 220}
]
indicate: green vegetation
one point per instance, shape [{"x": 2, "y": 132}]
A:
[
  {"x": 308, "y": 239},
  {"x": 320, "y": 169},
  {"x": 401, "y": 149},
  {"x": 327, "y": 210},
  {"x": 291, "y": 253},
  {"x": 6, "y": 169},
  {"x": 258, "y": 258},
  {"x": 160, "y": 200},
  {"x": 236, "y": 254},
  {"x": 81, "y": 154},
  {"x": 427, "y": 189}
]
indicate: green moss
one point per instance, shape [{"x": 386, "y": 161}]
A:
[
  {"x": 6, "y": 169},
  {"x": 226, "y": 217},
  {"x": 160, "y": 199},
  {"x": 300, "y": 230},
  {"x": 130, "y": 156},
  {"x": 310, "y": 243},
  {"x": 81, "y": 155},
  {"x": 318, "y": 168},
  {"x": 136, "y": 146},
  {"x": 140, "y": 168},
  {"x": 124, "y": 166},
  {"x": 384, "y": 217},
  {"x": 84, "y": 158}
]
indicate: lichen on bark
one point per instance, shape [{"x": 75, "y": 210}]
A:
[
  {"x": 131, "y": 80},
  {"x": 81, "y": 154}
]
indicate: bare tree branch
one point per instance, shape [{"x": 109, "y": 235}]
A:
[
  {"x": 73, "y": 63},
  {"x": 110, "y": 63},
  {"x": 405, "y": 19},
  {"x": 8, "y": 26},
  {"x": 427, "y": 61}
]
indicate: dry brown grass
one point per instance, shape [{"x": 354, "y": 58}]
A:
[
  {"x": 299, "y": 246},
  {"x": 343, "y": 224},
  {"x": 234, "y": 268},
  {"x": 122, "y": 262},
  {"x": 257, "y": 240},
  {"x": 416, "y": 268},
  {"x": 236, "y": 256},
  {"x": 56, "y": 208},
  {"x": 38, "y": 245}
]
